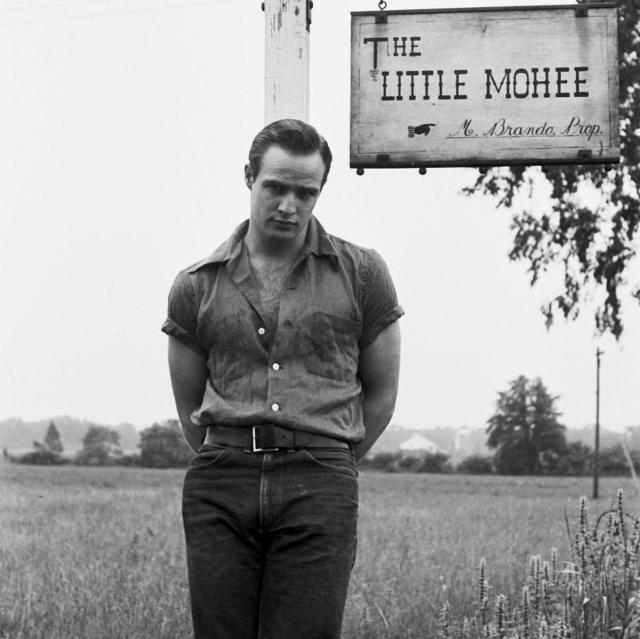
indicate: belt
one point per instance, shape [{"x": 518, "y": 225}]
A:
[{"x": 263, "y": 438}]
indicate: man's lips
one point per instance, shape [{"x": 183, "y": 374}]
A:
[{"x": 287, "y": 223}]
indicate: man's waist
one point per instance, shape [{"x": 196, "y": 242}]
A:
[{"x": 269, "y": 437}]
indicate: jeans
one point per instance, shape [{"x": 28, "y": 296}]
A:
[{"x": 271, "y": 540}]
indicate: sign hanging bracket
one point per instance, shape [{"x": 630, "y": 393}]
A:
[
  {"x": 381, "y": 18},
  {"x": 309, "y": 6}
]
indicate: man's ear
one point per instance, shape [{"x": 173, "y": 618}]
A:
[{"x": 248, "y": 176}]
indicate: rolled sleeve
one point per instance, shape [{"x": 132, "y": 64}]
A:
[
  {"x": 380, "y": 306},
  {"x": 182, "y": 314}
]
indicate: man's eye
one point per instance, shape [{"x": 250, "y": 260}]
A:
[{"x": 276, "y": 188}]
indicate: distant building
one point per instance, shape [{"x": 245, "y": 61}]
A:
[
  {"x": 419, "y": 443},
  {"x": 460, "y": 437}
]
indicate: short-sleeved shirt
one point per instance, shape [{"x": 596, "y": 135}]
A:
[{"x": 300, "y": 370}]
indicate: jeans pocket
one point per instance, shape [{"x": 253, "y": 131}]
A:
[
  {"x": 340, "y": 460},
  {"x": 208, "y": 455}
]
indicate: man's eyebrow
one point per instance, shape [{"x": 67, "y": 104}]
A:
[
  {"x": 309, "y": 189},
  {"x": 275, "y": 182}
]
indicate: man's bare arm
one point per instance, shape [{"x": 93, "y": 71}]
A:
[
  {"x": 189, "y": 373},
  {"x": 379, "y": 369}
]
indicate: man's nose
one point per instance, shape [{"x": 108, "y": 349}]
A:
[{"x": 287, "y": 204}]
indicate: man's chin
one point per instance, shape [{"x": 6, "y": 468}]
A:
[
  {"x": 282, "y": 233},
  {"x": 284, "y": 228}
]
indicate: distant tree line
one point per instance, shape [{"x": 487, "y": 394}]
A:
[
  {"x": 161, "y": 446},
  {"x": 577, "y": 461},
  {"x": 527, "y": 438},
  {"x": 524, "y": 433}
]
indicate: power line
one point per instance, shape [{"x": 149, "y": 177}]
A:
[
  {"x": 90, "y": 16},
  {"x": 56, "y": 5},
  {"x": 73, "y": 3}
]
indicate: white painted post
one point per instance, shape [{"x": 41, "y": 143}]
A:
[{"x": 286, "y": 72}]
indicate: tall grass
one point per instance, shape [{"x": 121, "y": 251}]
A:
[
  {"x": 90, "y": 553},
  {"x": 593, "y": 595}
]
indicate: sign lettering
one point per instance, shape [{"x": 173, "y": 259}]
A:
[{"x": 529, "y": 85}]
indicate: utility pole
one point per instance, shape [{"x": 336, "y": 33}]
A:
[
  {"x": 596, "y": 447},
  {"x": 286, "y": 72}
]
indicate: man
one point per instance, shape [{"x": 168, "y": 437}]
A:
[{"x": 284, "y": 356}]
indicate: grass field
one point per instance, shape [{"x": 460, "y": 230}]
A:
[{"x": 93, "y": 553}]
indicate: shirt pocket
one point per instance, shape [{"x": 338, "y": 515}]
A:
[{"x": 331, "y": 345}]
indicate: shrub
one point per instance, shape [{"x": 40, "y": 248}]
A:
[
  {"x": 475, "y": 465},
  {"x": 577, "y": 461},
  {"x": 127, "y": 460},
  {"x": 100, "y": 446},
  {"x": 418, "y": 462},
  {"x": 164, "y": 446},
  {"x": 381, "y": 461},
  {"x": 407, "y": 463},
  {"x": 433, "y": 463},
  {"x": 41, "y": 456},
  {"x": 613, "y": 462}
]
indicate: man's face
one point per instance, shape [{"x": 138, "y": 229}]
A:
[{"x": 284, "y": 193}]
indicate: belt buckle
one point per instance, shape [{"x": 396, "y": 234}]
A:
[{"x": 256, "y": 449}]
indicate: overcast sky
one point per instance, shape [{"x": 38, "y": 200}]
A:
[{"x": 124, "y": 128}]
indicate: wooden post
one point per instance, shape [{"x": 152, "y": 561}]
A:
[
  {"x": 596, "y": 447},
  {"x": 286, "y": 72}
]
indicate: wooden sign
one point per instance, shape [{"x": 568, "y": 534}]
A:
[{"x": 526, "y": 85}]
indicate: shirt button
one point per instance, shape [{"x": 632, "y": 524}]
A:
[
  {"x": 275, "y": 366},
  {"x": 261, "y": 331},
  {"x": 275, "y": 407}
]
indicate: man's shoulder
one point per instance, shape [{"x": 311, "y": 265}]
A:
[
  {"x": 346, "y": 245},
  {"x": 348, "y": 248},
  {"x": 228, "y": 250},
  {"x": 203, "y": 264},
  {"x": 360, "y": 255},
  {"x": 197, "y": 276},
  {"x": 191, "y": 273}
]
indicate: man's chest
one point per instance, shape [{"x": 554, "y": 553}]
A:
[
  {"x": 268, "y": 284},
  {"x": 269, "y": 279},
  {"x": 284, "y": 301},
  {"x": 308, "y": 321}
]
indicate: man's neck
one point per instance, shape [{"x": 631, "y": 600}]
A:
[{"x": 273, "y": 251}]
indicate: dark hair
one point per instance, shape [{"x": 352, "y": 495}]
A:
[{"x": 294, "y": 136}]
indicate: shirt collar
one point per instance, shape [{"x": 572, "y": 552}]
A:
[{"x": 318, "y": 242}]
